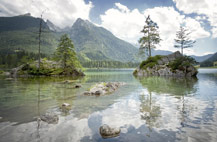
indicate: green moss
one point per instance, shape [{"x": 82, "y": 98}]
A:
[
  {"x": 150, "y": 62},
  {"x": 1, "y": 72}
]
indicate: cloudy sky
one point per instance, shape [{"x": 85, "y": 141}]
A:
[{"x": 125, "y": 18}]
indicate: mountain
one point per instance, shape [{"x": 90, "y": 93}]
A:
[
  {"x": 209, "y": 62},
  {"x": 21, "y": 32},
  {"x": 53, "y": 27},
  {"x": 160, "y": 52},
  {"x": 201, "y": 58},
  {"x": 96, "y": 43},
  {"x": 21, "y": 22},
  {"x": 91, "y": 42},
  {"x": 213, "y": 58}
]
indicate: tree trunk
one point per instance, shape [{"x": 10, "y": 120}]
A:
[
  {"x": 149, "y": 48},
  {"x": 149, "y": 44},
  {"x": 39, "y": 44}
]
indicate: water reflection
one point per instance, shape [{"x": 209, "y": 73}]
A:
[
  {"x": 147, "y": 109},
  {"x": 150, "y": 111},
  {"x": 169, "y": 85}
]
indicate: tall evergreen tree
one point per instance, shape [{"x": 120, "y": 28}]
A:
[
  {"x": 65, "y": 53},
  {"x": 151, "y": 36},
  {"x": 182, "y": 39}
]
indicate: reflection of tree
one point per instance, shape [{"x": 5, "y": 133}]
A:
[
  {"x": 38, "y": 108},
  {"x": 178, "y": 87},
  {"x": 150, "y": 111},
  {"x": 169, "y": 85}
]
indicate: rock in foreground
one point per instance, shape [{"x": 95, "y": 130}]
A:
[
  {"x": 103, "y": 88},
  {"x": 50, "y": 118},
  {"x": 175, "y": 65},
  {"x": 108, "y": 132}
]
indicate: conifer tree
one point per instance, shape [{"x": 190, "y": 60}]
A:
[
  {"x": 182, "y": 39},
  {"x": 151, "y": 36},
  {"x": 65, "y": 53}
]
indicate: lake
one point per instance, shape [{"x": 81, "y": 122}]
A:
[{"x": 147, "y": 109}]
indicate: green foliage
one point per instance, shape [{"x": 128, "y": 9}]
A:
[
  {"x": 206, "y": 63},
  {"x": 151, "y": 36},
  {"x": 13, "y": 58},
  {"x": 150, "y": 62},
  {"x": 65, "y": 53},
  {"x": 182, "y": 62},
  {"x": 1, "y": 71}
]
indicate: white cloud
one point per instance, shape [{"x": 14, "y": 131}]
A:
[
  {"x": 204, "y": 7},
  {"x": 214, "y": 32},
  {"x": 127, "y": 24},
  {"x": 123, "y": 23},
  {"x": 61, "y": 12},
  {"x": 195, "y": 28}
]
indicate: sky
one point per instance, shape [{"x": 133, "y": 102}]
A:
[{"x": 126, "y": 18}]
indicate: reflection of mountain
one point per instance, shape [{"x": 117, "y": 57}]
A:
[{"x": 172, "y": 86}]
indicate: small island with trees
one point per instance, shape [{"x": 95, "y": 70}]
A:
[
  {"x": 175, "y": 64},
  {"x": 63, "y": 63}
]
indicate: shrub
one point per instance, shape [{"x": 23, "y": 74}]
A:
[{"x": 150, "y": 62}]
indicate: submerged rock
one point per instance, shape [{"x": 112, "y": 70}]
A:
[
  {"x": 68, "y": 81},
  {"x": 108, "y": 132},
  {"x": 8, "y": 78},
  {"x": 77, "y": 86},
  {"x": 65, "y": 105},
  {"x": 103, "y": 88},
  {"x": 50, "y": 118}
]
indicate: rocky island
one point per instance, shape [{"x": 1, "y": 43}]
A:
[
  {"x": 174, "y": 64},
  {"x": 48, "y": 68}
]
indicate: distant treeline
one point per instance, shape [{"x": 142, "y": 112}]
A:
[
  {"x": 108, "y": 64},
  {"x": 207, "y": 64},
  {"x": 14, "y": 58}
]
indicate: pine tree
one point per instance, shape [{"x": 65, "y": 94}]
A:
[
  {"x": 65, "y": 53},
  {"x": 151, "y": 36},
  {"x": 182, "y": 39}
]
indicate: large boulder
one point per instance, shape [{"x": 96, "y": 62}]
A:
[
  {"x": 108, "y": 132},
  {"x": 103, "y": 88},
  {"x": 174, "y": 64}
]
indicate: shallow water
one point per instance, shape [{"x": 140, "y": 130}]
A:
[{"x": 146, "y": 109}]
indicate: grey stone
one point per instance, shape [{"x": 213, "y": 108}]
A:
[
  {"x": 108, "y": 132},
  {"x": 171, "y": 57},
  {"x": 50, "y": 118},
  {"x": 103, "y": 88},
  {"x": 177, "y": 54},
  {"x": 165, "y": 60},
  {"x": 160, "y": 62}
]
